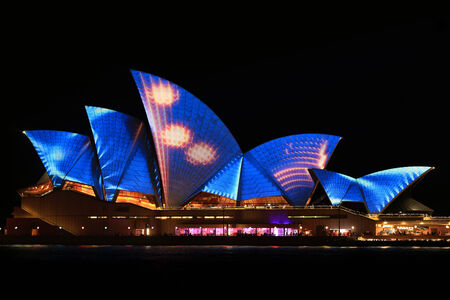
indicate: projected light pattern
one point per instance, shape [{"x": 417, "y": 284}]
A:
[
  {"x": 288, "y": 159},
  {"x": 66, "y": 156},
  {"x": 123, "y": 151},
  {"x": 200, "y": 154},
  {"x": 192, "y": 143},
  {"x": 381, "y": 187},
  {"x": 226, "y": 181},
  {"x": 377, "y": 190},
  {"x": 162, "y": 92},
  {"x": 338, "y": 187},
  {"x": 255, "y": 182},
  {"x": 175, "y": 135}
]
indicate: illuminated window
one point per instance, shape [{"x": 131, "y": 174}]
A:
[
  {"x": 78, "y": 187},
  {"x": 204, "y": 199},
  {"x": 264, "y": 201},
  {"x": 37, "y": 190},
  {"x": 139, "y": 199},
  {"x": 308, "y": 217}
]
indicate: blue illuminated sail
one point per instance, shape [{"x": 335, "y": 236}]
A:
[
  {"x": 66, "y": 156},
  {"x": 337, "y": 186},
  {"x": 288, "y": 159},
  {"x": 122, "y": 146},
  {"x": 381, "y": 187},
  {"x": 255, "y": 182},
  {"x": 226, "y": 182},
  {"x": 377, "y": 190},
  {"x": 192, "y": 143}
]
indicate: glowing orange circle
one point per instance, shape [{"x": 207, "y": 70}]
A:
[
  {"x": 163, "y": 94},
  {"x": 176, "y": 135},
  {"x": 201, "y": 154}
]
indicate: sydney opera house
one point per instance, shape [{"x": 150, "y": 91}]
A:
[{"x": 181, "y": 172}]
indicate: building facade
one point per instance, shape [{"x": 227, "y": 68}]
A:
[{"x": 181, "y": 172}]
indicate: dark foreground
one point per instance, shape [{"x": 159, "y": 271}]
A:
[
  {"x": 218, "y": 271},
  {"x": 218, "y": 240}
]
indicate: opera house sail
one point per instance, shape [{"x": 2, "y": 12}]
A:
[
  {"x": 182, "y": 157},
  {"x": 192, "y": 143},
  {"x": 67, "y": 156},
  {"x": 376, "y": 190},
  {"x": 123, "y": 150}
]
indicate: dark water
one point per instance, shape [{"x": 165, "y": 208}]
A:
[{"x": 223, "y": 269}]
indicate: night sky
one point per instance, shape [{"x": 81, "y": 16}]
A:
[{"x": 382, "y": 83}]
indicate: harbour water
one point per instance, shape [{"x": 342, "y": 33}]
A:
[{"x": 218, "y": 267}]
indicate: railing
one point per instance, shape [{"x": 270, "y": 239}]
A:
[{"x": 254, "y": 207}]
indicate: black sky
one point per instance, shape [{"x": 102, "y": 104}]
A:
[{"x": 380, "y": 82}]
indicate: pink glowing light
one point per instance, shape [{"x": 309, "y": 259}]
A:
[
  {"x": 201, "y": 154},
  {"x": 295, "y": 175},
  {"x": 322, "y": 157},
  {"x": 176, "y": 135},
  {"x": 296, "y": 186},
  {"x": 288, "y": 182},
  {"x": 162, "y": 93},
  {"x": 300, "y": 170}
]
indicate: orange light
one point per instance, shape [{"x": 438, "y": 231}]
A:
[
  {"x": 292, "y": 175},
  {"x": 163, "y": 94},
  {"x": 322, "y": 156},
  {"x": 288, "y": 182},
  {"x": 136, "y": 201},
  {"x": 201, "y": 154},
  {"x": 176, "y": 136},
  {"x": 300, "y": 170},
  {"x": 78, "y": 187},
  {"x": 296, "y": 186}
]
